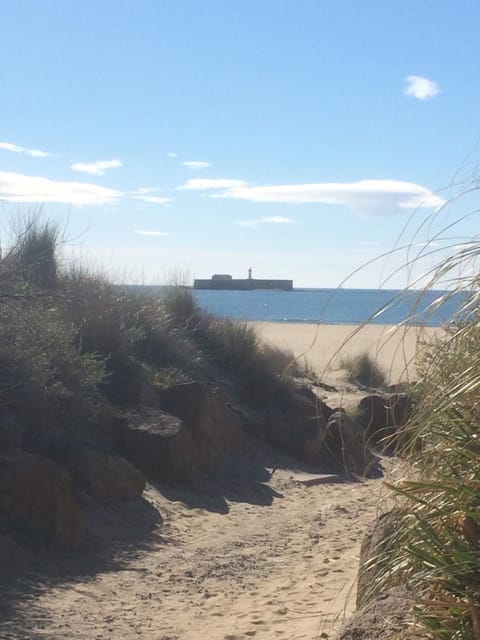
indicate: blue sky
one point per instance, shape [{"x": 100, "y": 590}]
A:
[{"x": 300, "y": 138}]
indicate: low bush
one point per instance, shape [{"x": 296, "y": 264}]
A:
[
  {"x": 33, "y": 257},
  {"x": 72, "y": 334},
  {"x": 261, "y": 374},
  {"x": 42, "y": 368},
  {"x": 362, "y": 369}
]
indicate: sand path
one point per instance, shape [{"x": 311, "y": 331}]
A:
[
  {"x": 248, "y": 555},
  {"x": 273, "y": 559}
]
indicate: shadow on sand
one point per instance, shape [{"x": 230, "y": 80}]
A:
[
  {"x": 121, "y": 532},
  {"x": 118, "y": 533},
  {"x": 242, "y": 477}
]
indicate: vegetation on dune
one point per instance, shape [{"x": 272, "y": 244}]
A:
[
  {"x": 70, "y": 339},
  {"x": 436, "y": 546},
  {"x": 363, "y": 370}
]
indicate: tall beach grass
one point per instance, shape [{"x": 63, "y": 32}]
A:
[{"x": 436, "y": 546}]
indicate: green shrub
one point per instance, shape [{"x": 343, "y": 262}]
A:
[
  {"x": 34, "y": 254},
  {"x": 162, "y": 341},
  {"x": 130, "y": 330},
  {"x": 42, "y": 369},
  {"x": 104, "y": 316},
  {"x": 364, "y": 370},
  {"x": 78, "y": 336},
  {"x": 180, "y": 308},
  {"x": 437, "y": 548},
  {"x": 259, "y": 373},
  {"x": 284, "y": 362}
]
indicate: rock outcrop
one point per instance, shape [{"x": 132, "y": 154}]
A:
[
  {"x": 374, "y": 552},
  {"x": 11, "y": 432},
  {"x": 385, "y": 615},
  {"x": 345, "y": 443},
  {"x": 297, "y": 425},
  {"x": 105, "y": 477},
  {"x": 383, "y": 417},
  {"x": 388, "y": 617},
  {"x": 35, "y": 493},
  {"x": 158, "y": 444},
  {"x": 215, "y": 427}
]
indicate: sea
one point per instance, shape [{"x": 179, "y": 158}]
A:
[{"x": 334, "y": 306}]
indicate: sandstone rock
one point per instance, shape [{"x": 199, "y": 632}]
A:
[
  {"x": 215, "y": 427},
  {"x": 105, "y": 423},
  {"x": 374, "y": 552},
  {"x": 388, "y": 617},
  {"x": 313, "y": 448},
  {"x": 297, "y": 425},
  {"x": 321, "y": 407},
  {"x": 345, "y": 442},
  {"x": 13, "y": 557},
  {"x": 11, "y": 432},
  {"x": 35, "y": 493},
  {"x": 159, "y": 445},
  {"x": 107, "y": 478},
  {"x": 298, "y": 435},
  {"x": 383, "y": 416}
]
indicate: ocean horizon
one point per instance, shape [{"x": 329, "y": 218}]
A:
[{"x": 329, "y": 306}]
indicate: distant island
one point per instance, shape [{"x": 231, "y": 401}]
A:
[{"x": 224, "y": 281}]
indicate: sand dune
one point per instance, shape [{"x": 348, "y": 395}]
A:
[{"x": 248, "y": 555}]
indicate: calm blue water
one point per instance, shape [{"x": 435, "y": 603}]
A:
[
  {"x": 333, "y": 306},
  {"x": 329, "y": 306}
]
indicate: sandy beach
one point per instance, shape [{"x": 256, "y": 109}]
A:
[
  {"x": 323, "y": 345},
  {"x": 249, "y": 554}
]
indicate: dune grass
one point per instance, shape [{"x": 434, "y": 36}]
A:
[
  {"x": 436, "y": 546},
  {"x": 71, "y": 332},
  {"x": 362, "y": 369}
]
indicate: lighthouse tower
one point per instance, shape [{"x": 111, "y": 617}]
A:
[{"x": 250, "y": 273}]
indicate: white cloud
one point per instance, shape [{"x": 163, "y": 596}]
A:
[
  {"x": 144, "y": 190},
  {"x": 171, "y": 154},
  {"x": 421, "y": 88},
  {"x": 147, "y": 232},
  {"x": 34, "y": 153},
  {"x": 97, "y": 168},
  {"x": 154, "y": 199},
  {"x": 196, "y": 164},
  {"x": 147, "y": 194},
  {"x": 366, "y": 197},
  {"x": 203, "y": 184},
  {"x": 17, "y": 187},
  {"x": 253, "y": 224}
]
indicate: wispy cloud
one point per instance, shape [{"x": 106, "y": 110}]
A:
[
  {"x": 253, "y": 224},
  {"x": 149, "y": 232},
  {"x": 171, "y": 154},
  {"x": 96, "y": 168},
  {"x": 366, "y": 197},
  {"x": 17, "y": 187},
  {"x": 195, "y": 164},
  {"x": 34, "y": 153},
  {"x": 147, "y": 194},
  {"x": 144, "y": 191},
  {"x": 421, "y": 88},
  {"x": 205, "y": 184},
  {"x": 154, "y": 199}
]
